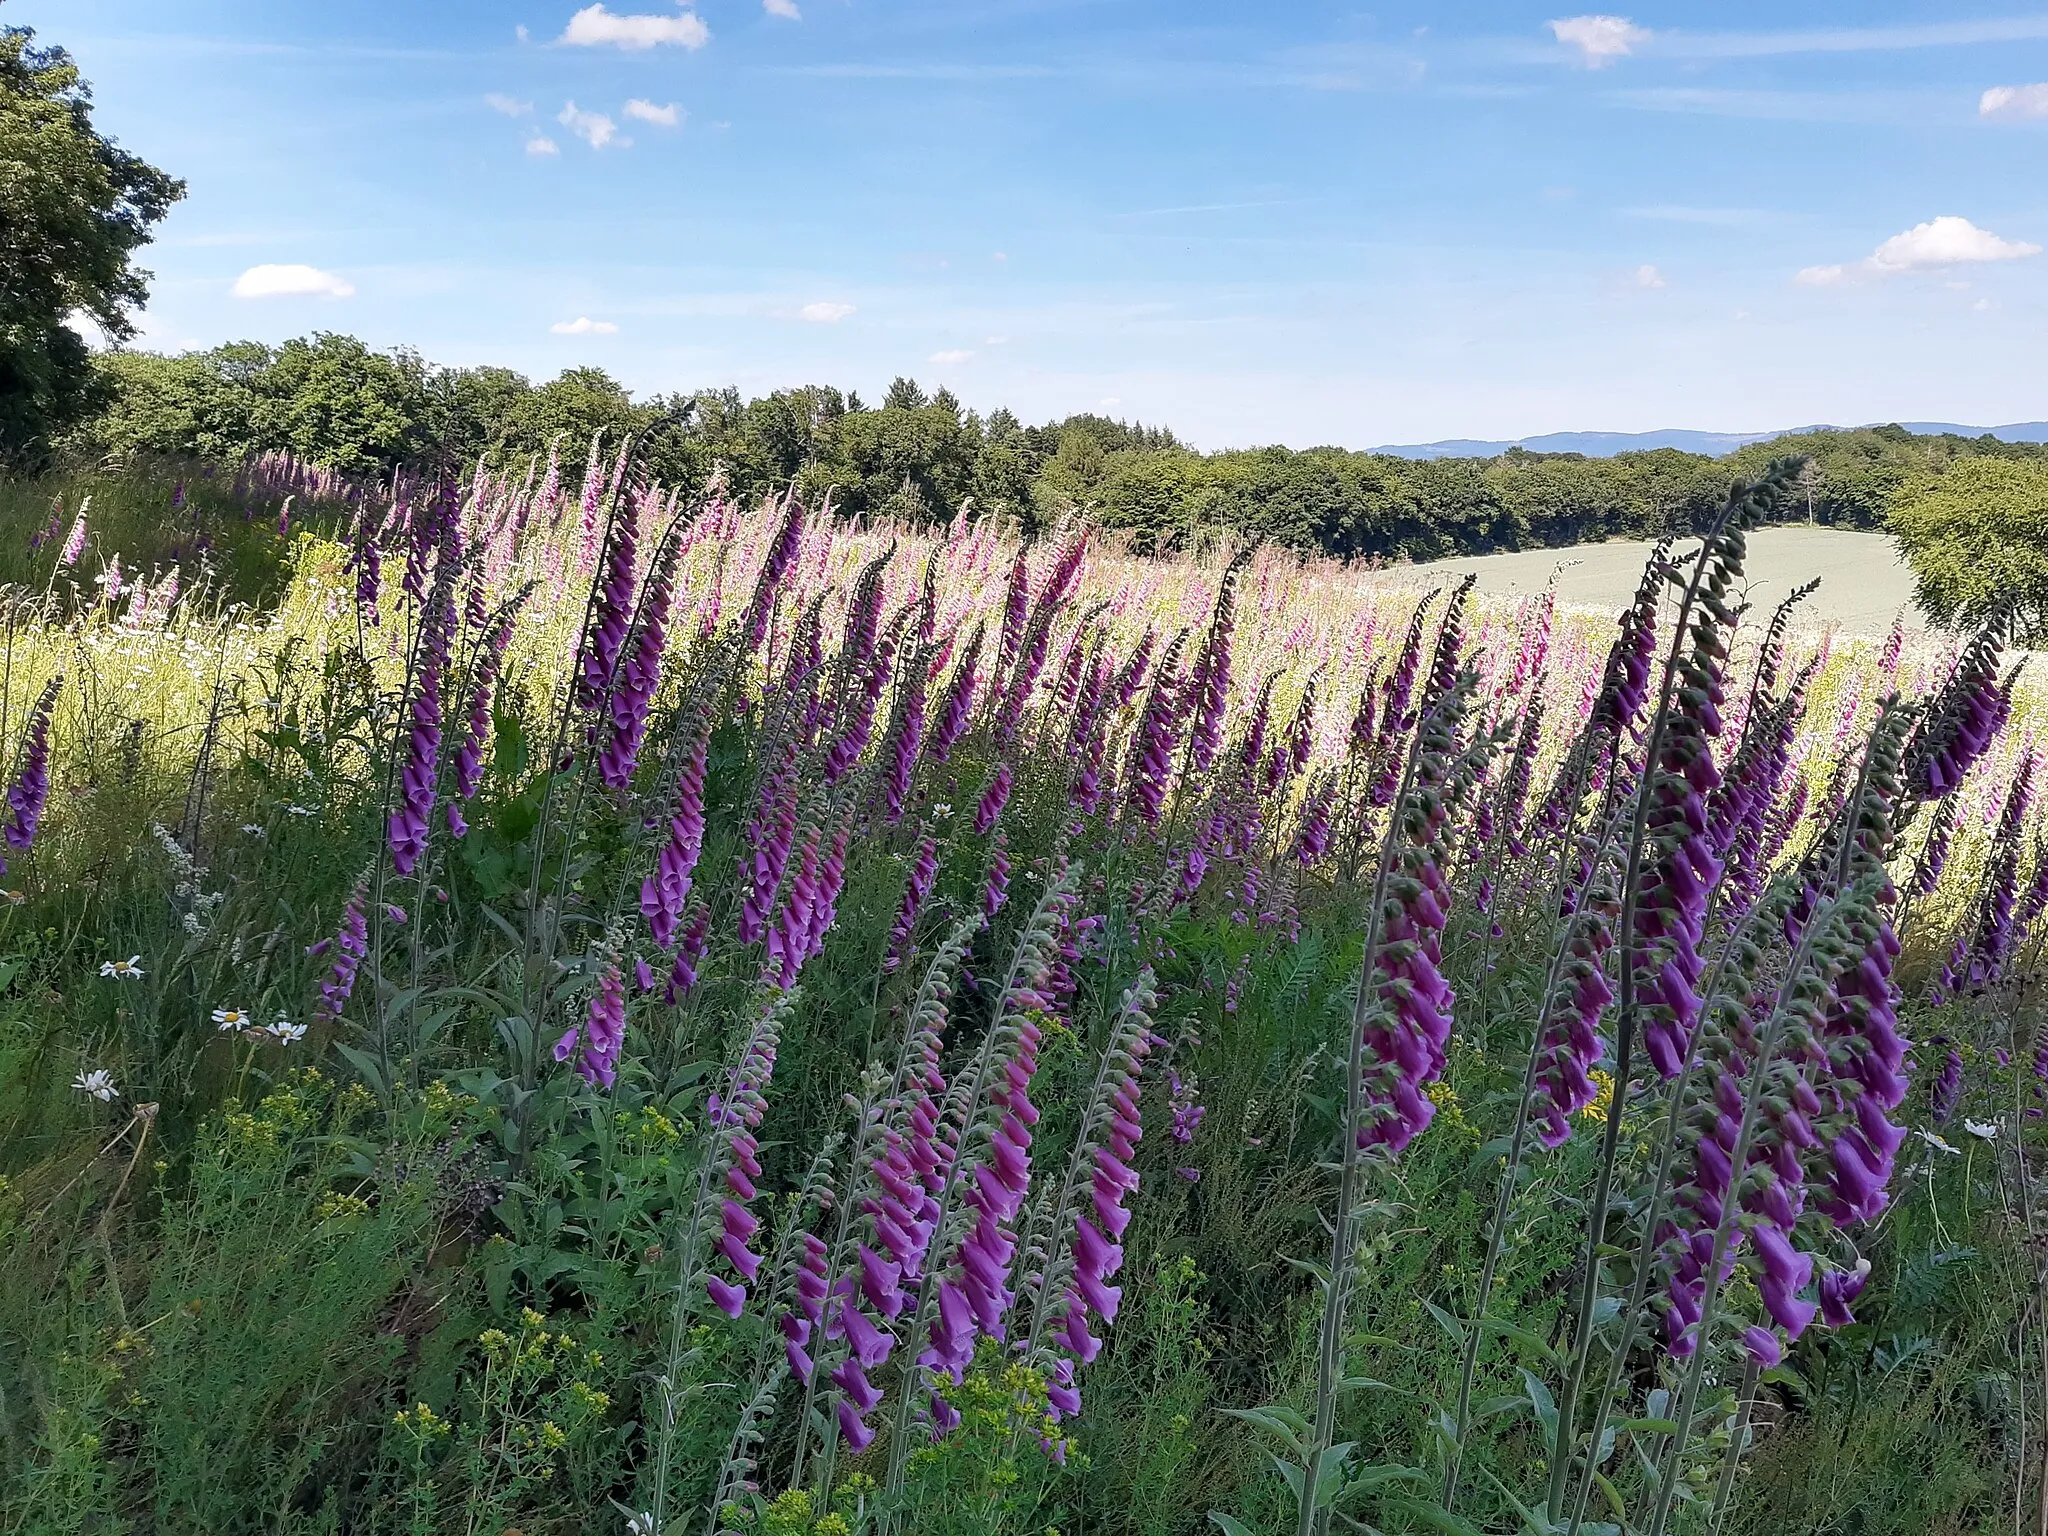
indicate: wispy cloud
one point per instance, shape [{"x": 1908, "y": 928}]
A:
[
  {"x": 541, "y": 144},
  {"x": 824, "y": 312},
  {"x": 786, "y": 9},
  {"x": 511, "y": 106},
  {"x": 290, "y": 280},
  {"x": 1647, "y": 276},
  {"x": 583, "y": 325},
  {"x": 593, "y": 128},
  {"x": 1947, "y": 241},
  {"x": 2014, "y": 101},
  {"x": 951, "y": 355},
  {"x": 1600, "y": 39},
  {"x": 596, "y": 27},
  {"x": 648, "y": 112}
]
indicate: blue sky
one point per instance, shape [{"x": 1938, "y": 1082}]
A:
[{"x": 1289, "y": 221}]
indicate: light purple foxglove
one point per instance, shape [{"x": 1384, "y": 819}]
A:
[
  {"x": 351, "y": 948},
  {"x": 924, "y": 870},
  {"x": 1158, "y": 733},
  {"x": 664, "y": 893},
  {"x": 993, "y": 799},
  {"x": 732, "y": 1118},
  {"x": 957, "y": 704},
  {"x": 595, "y": 1043},
  {"x": 782, "y": 553},
  {"x": 634, "y": 684},
  {"x": 611, "y": 608},
  {"x": 419, "y": 779},
  {"x": 483, "y": 687},
  {"x": 30, "y": 792}
]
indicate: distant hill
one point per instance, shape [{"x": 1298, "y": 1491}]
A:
[{"x": 1602, "y": 445}]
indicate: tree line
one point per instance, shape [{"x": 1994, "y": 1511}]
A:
[{"x": 919, "y": 456}]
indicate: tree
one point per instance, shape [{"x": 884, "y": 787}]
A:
[
  {"x": 1977, "y": 537},
  {"x": 73, "y": 209}
]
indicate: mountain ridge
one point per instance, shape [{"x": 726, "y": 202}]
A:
[{"x": 1603, "y": 445}]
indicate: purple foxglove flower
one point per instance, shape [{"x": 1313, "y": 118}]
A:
[
  {"x": 419, "y": 780},
  {"x": 993, "y": 800},
  {"x": 689, "y": 954},
  {"x": 733, "y": 1117},
  {"x": 596, "y": 1042},
  {"x": 924, "y": 870},
  {"x": 611, "y": 608},
  {"x": 1152, "y": 747},
  {"x": 1209, "y": 683},
  {"x": 860, "y": 722},
  {"x": 1125, "y": 688},
  {"x": 957, "y": 704},
  {"x": 1016, "y": 600},
  {"x": 664, "y": 893},
  {"x": 1947, "y": 1089},
  {"x": 906, "y": 736},
  {"x": 351, "y": 948},
  {"x": 469, "y": 757},
  {"x": 1312, "y": 832},
  {"x": 634, "y": 684},
  {"x": 770, "y": 834},
  {"x": 782, "y": 552},
  {"x": 30, "y": 791},
  {"x": 74, "y": 543},
  {"x": 996, "y": 889}
]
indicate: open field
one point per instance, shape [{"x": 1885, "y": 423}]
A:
[
  {"x": 1865, "y": 584},
  {"x": 558, "y": 1007}
]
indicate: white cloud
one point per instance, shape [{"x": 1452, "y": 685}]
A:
[
  {"x": 541, "y": 144},
  {"x": 1647, "y": 276},
  {"x": 290, "y": 280},
  {"x": 1108, "y": 400},
  {"x": 593, "y": 128},
  {"x": 1947, "y": 241},
  {"x": 648, "y": 112},
  {"x": 596, "y": 27},
  {"x": 951, "y": 355},
  {"x": 786, "y": 9},
  {"x": 583, "y": 325},
  {"x": 520, "y": 32},
  {"x": 997, "y": 341},
  {"x": 511, "y": 106},
  {"x": 2015, "y": 101},
  {"x": 1600, "y": 39},
  {"x": 1001, "y": 256},
  {"x": 824, "y": 312},
  {"x": 1944, "y": 242}
]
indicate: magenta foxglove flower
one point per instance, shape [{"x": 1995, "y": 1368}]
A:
[
  {"x": 611, "y": 608},
  {"x": 733, "y": 1118},
  {"x": 74, "y": 544},
  {"x": 469, "y": 757}
]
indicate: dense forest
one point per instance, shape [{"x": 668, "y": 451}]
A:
[{"x": 332, "y": 400}]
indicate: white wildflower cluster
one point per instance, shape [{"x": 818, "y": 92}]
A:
[
  {"x": 238, "y": 1021},
  {"x": 98, "y": 1084},
  {"x": 187, "y": 889}
]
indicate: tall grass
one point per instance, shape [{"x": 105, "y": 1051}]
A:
[{"x": 682, "y": 1017}]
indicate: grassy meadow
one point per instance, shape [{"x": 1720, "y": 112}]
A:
[{"x": 544, "y": 1005}]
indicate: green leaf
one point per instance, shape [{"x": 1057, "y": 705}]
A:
[
  {"x": 1435, "y": 1517},
  {"x": 1448, "y": 1323},
  {"x": 1521, "y": 1336},
  {"x": 1283, "y": 1423},
  {"x": 1544, "y": 1404},
  {"x": 1229, "y": 1525}
]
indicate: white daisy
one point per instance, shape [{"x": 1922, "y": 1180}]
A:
[
  {"x": 298, "y": 810},
  {"x": 1938, "y": 1143},
  {"x": 99, "y": 1082},
  {"x": 123, "y": 970},
  {"x": 231, "y": 1019},
  {"x": 1983, "y": 1130},
  {"x": 285, "y": 1032}
]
